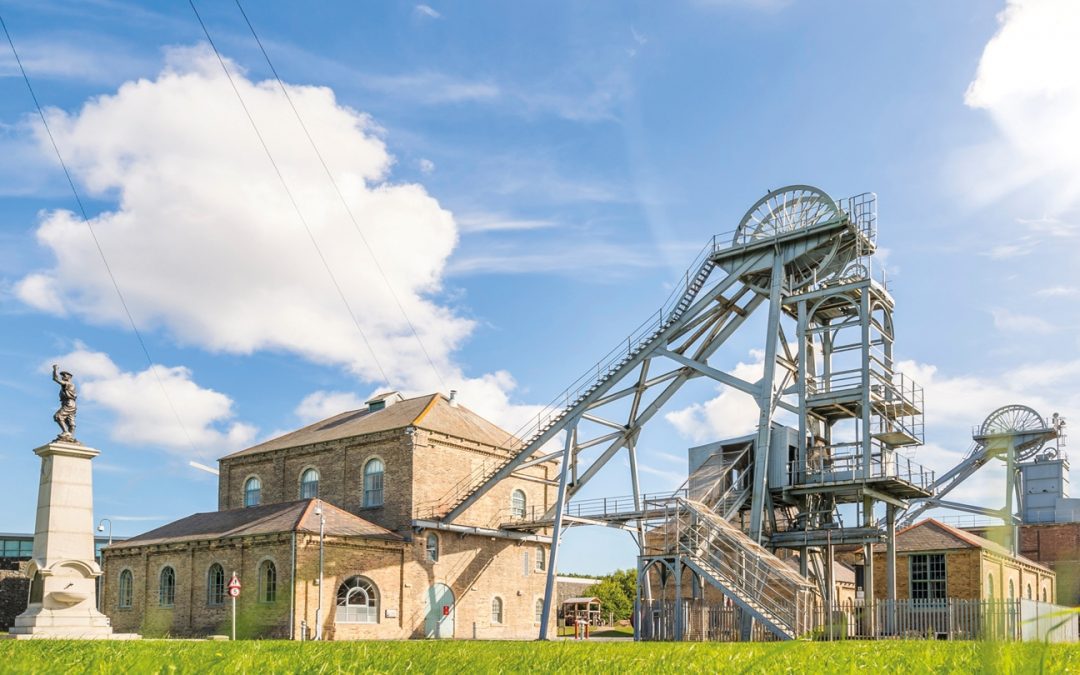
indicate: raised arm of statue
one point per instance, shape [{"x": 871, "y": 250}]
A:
[{"x": 56, "y": 374}]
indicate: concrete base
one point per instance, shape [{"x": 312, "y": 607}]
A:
[
  {"x": 63, "y": 570},
  {"x": 47, "y": 636},
  {"x": 73, "y": 622}
]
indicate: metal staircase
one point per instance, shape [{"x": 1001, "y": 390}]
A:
[
  {"x": 577, "y": 397},
  {"x": 745, "y": 572}
]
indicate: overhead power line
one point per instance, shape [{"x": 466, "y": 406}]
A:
[
  {"x": 292, "y": 199},
  {"x": 341, "y": 197},
  {"x": 93, "y": 235}
]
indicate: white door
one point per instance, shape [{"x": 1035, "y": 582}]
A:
[{"x": 439, "y": 621}]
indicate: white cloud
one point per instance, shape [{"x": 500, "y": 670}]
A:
[
  {"x": 604, "y": 260},
  {"x": 1058, "y": 291},
  {"x": 320, "y": 405},
  {"x": 1009, "y": 321},
  {"x": 1028, "y": 82},
  {"x": 71, "y": 59},
  {"x": 730, "y": 414},
  {"x": 426, "y": 12},
  {"x": 498, "y": 222},
  {"x": 426, "y": 166},
  {"x": 431, "y": 87},
  {"x": 1052, "y": 227},
  {"x": 143, "y": 414},
  {"x": 205, "y": 245},
  {"x": 1014, "y": 250}
]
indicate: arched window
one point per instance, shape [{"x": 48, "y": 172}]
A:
[
  {"x": 517, "y": 504},
  {"x": 539, "y": 610},
  {"x": 1044, "y": 595},
  {"x": 373, "y": 482},
  {"x": 309, "y": 484},
  {"x": 357, "y": 601},
  {"x": 1029, "y": 591},
  {"x": 433, "y": 547},
  {"x": 541, "y": 559},
  {"x": 496, "y": 610},
  {"x": 252, "y": 491},
  {"x": 267, "y": 581},
  {"x": 1012, "y": 590},
  {"x": 167, "y": 587},
  {"x": 215, "y": 585},
  {"x": 124, "y": 592}
]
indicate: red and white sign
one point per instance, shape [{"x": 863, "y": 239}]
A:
[
  {"x": 446, "y": 610},
  {"x": 234, "y": 586}
]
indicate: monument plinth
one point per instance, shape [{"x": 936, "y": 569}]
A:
[{"x": 64, "y": 570}]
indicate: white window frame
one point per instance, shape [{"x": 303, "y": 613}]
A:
[
  {"x": 518, "y": 510},
  {"x": 161, "y": 587},
  {"x": 125, "y": 596},
  {"x": 371, "y": 491},
  {"x": 368, "y": 612},
  {"x": 258, "y": 491},
  {"x": 302, "y": 484},
  {"x": 213, "y": 600},
  {"x": 431, "y": 553}
]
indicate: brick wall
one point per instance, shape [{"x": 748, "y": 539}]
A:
[
  {"x": 967, "y": 575},
  {"x": 441, "y": 462},
  {"x": 1055, "y": 545},
  {"x": 14, "y": 591},
  {"x": 476, "y": 569},
  {"x": 420, "y": 468},
  {"x": 191, "y": 613}
]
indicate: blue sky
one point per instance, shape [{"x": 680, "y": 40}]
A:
[{"x": 531, "y": 178}]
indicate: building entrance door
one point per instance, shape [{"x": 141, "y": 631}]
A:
[{"x": 439, "y": 621}]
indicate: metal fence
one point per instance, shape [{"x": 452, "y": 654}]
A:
[{"x": 950, "y": 619}]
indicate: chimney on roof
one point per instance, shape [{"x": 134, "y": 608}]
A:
[{"x": 453, "y": 398}]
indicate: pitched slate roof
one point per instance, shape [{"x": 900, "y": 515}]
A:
[
  {"x": 432, "y": 412},
  {"x": 842, "y": 574},
  {"x": 934, "y": 535},
  {"x": 298, "y": 516}
]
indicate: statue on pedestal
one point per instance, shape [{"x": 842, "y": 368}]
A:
[{"x": 65, "y": 416}]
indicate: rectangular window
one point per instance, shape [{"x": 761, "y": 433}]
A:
[
  {"x": 927, "y": 574},
  {"x": 525, "y": 563}
]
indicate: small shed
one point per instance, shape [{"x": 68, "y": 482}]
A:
[{"x": 581, "y": 609}]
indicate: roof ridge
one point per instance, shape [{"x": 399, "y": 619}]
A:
[
  {"x": 427, "y": 408},
  {"x": 271, "y": 513},
  {"x": 973, "y": 539},
  {"x": 303, "y": 514}
]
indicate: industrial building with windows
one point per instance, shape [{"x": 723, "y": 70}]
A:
[{"x": 333, "y": 530}]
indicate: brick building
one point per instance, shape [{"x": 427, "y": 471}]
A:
[
  {"x": 1056, "y": 545},
  {"x": 935, "y": 561},
  {"x": 373, "y": 481}
]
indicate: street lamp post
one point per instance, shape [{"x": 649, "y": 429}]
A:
[
  {"x": 319, "y": 608},
  {"x": 101, "y": 528},
  {"x": 97, "y": 554}
]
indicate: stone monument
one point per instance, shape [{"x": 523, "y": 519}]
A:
[{"x": 63, "y": 571}]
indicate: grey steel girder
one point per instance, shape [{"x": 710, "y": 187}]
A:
[{"x": 525, "y": 453}]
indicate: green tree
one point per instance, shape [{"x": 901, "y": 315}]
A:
[{"x": 613, "y": 599}]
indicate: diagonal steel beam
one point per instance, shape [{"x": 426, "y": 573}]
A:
[
  {"x": 528, "y": 450},
  {"x": 684, "y": 376}
]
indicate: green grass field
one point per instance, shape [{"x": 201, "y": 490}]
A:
[{"x": 160, "y": 656}]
